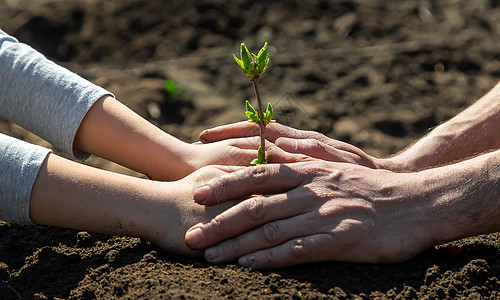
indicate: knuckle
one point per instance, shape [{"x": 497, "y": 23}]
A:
[
  {"x": 232, "y": 247},
  {"x": 258, "y": 174},
  {"x": 217, "y": 225},
  {"x": 271, "y": 232},
  {"x": 220, "y": 190},
  {"x": 298, "y": 248},
  {"x": 256, "y": 208},
  {"x": 320, "y": 137},
  {"x": 316, "y": 168},
  {"x": 312, "y": 143}
]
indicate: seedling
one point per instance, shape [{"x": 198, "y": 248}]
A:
[
  {"x": 253, "y": 66},
  {"x": 172, "y": 88}
]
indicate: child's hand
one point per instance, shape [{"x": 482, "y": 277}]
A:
[{"x": 236, "y": 152}]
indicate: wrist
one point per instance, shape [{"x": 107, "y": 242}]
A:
[
  {"x": 168, "y": 159},
  {"x": 396, "y": 163},
  {"x": 464, "y": 198}
]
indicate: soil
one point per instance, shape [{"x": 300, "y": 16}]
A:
[{"x": 375, "y": 73}]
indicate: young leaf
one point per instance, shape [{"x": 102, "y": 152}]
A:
[
  {"x": 268, "y": 116},
  {"x": 254, "y": 58},
  {"x": 249, "y": 107},
  {"x": 252, "y": 117},
  {"x": 246, "y": 57},
  {"x": 270, "y": 110},
  {"x": 260, "y": 160},
  {"x": 239, "y": 62},
  {"x": 172, "y": 88},
  {"x": 263, "y": 52}
]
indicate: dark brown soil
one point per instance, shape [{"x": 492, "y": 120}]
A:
[{"x": 375, "y": 73}]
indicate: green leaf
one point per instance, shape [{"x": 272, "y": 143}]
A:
[
  {"x": 252, "y": 117},
  {"x": 246, "y": 57},
  {"x": 260, "y": 160},
  {"x": 263, "y": 52},
  {"x": 239, "y": 62},
  {"x": 249, "y": 107},
  {"x": 254, "y": 57},
  {"x": 172, "y": 88},
  {"x": 268, "y": 116},
  {"x": 270, "y": 110}
]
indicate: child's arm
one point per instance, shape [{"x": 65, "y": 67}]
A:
[
  {"x": 60, "y": 106},
  {"x": 71, "y": 195},
  {"x": 113, "y": 131}
]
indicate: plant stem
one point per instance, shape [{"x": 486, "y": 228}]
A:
[{"x": 255, "y": 82}]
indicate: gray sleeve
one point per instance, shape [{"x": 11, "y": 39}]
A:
[
  {"x": 45, "y": 99},
  {"x": 41, "y": 96},
  {"x": 19, "y": 165}
]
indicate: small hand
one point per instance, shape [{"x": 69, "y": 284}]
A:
[
  {"x": 236, "y": 152},
  {"x": 309, "y": 143}
]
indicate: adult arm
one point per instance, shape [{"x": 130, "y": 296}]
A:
[
  {"x": 317, "y": 211},
  {"x": 473, "y": 131}
]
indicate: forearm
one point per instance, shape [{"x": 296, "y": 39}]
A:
[
  {"x": 72, "y": 195},
  {"x": 114, "y": 132},
  {"x": 465, "y": 198},
  {"x": 475, "y": 130}
]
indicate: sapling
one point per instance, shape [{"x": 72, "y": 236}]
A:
[{"x": 253, "y": 66}]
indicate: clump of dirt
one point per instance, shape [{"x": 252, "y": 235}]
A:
[{"x": 378, "y": 74}]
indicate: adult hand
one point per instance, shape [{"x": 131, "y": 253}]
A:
[
  {"x": 314, "y": 211},
  {"x": 310, "y": 143}
]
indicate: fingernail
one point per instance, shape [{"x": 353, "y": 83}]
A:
[
  {"x": 194, "y": 237},
  {"x": 200, "y": 194},
  {"x": 211, "y": 254},
  {"x": 246, "y": 261},
  {"x": 202, "y": 137}
]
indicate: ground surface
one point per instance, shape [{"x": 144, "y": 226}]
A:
[{"x": 377, "y": 74}]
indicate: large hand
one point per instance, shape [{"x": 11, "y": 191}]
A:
[
  {"x": 310, "y": 143},
  {"x": 170, "y": 212},
  {"x": 314, "y": 211}
]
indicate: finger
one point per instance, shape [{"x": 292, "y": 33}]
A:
[
  {"x": 247, "y": 142},
  {"x": 262, "y": 179},
  {"x": 224, "y": 132},
  {"x": 246, "y": 129},
  {"x": 313, "y": 248},
  {"x": 277, "y": 155},
  {"x": 316, "y": 149},
  {"x": 237, "y": 156},
  {"x": 205, "y": 174},
  {"x": 244, "y": 216},
  {"x": 268, "y": 235}
]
